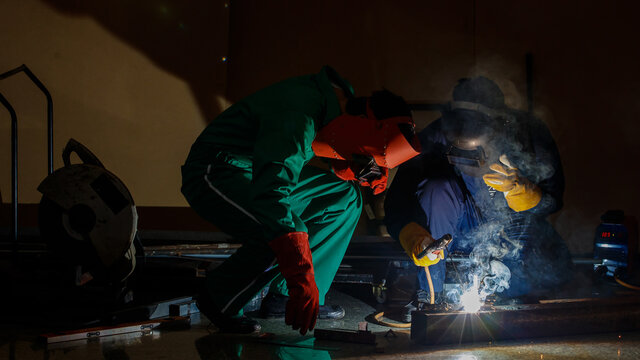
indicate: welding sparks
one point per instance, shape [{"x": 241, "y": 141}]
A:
[
  {"x": 471, "y": 302},
  {"x": 470, "y": 299}
]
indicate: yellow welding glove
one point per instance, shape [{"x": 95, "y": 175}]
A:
[
  {"x": 414, "y": 238},
  {"x": 520, "y": 193}
]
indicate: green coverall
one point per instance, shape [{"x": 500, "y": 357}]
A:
[{"x": 247, "y": 174}]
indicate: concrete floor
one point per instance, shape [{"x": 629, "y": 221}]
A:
[{"x": 202, "y": 341}]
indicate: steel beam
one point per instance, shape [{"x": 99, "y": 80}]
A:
[{"x": 552, "y": 318}]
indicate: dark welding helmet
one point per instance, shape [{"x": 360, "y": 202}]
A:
[
  {"x": 471, "y": 138},
  {"x": 475, "y": 125},
  {"x": 379, "y": 127}
]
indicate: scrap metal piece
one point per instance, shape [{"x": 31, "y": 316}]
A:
[
  {"x": 358, "y": 336},
  {"x": 185, "y": 308},
  {"x": 175, "y": 322},
  {"x": 527, "y": 321},
  {"x": 217, "y": 250},
  {"x": 182, "y": 306}
]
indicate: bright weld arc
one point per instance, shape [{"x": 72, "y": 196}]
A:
[{"x": 470, "y": 299}]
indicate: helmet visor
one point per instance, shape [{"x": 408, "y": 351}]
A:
[{"x": 474, "y": 157}]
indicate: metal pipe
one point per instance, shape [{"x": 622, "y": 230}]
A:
[
  {"x": 14, "y": 173},
  {"x": 12, "y": 72},
  {"x": 44, "y": 90}
]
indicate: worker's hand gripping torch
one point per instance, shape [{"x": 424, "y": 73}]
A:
[
  {"x": 421, "y": 246},
  {"x": 423, "y": 249},
  {"x": 436, "y": 248}
]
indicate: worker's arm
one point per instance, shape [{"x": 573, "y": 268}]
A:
[
  {"x": 401, "y": 204},
  {"x": 282, "y": 148}
]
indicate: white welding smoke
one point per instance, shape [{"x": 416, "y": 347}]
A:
[{"x": 491, "y": 246}]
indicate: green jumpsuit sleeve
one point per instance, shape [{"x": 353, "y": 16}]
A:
[{"x": 282, "y": 148}]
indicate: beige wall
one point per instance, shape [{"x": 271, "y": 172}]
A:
[
  {"x": 136, "y": 86},
  {"x": 134, "y": 81}
]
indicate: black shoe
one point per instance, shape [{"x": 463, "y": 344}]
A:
[
  {"x": 421, "y": 301},
  {"x": 332, "y": 312},
  {"x": 422, "y": 296},
  {"x": 407, "y": 310},
  {"x": 225, "y": 323},
  {"x": 274, "y": 307}
]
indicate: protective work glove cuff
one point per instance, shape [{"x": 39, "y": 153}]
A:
[
  {"x": 342, "y": 170},
  {"x": 520, "y": 193},
  {"x": 414, "y": 238},
  {"x": 524, "y": 196},
  {"x": 379, "y": 184},
  {"x": 293, "y": 253},
  {"x": 345, "y": 170},
  {"x": 295, "y": 263}
]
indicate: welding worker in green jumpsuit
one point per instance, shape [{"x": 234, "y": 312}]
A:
[{"x": 249, "y": 174}]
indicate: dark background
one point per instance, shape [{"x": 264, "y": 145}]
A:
[{"x": 137, "y": 80}]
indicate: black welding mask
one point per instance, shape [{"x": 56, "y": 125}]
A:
[
  {"x": 476, "y": 125},
  {"x": 471, "y": 142}
]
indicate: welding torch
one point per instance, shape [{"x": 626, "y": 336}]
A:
[{"x": 437, "y": 245}]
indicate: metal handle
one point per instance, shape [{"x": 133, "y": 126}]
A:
[
  {"x": 83, "y": 153},
  {"x": 14, "y": 172},
  {"x": 47, "y": 94}
]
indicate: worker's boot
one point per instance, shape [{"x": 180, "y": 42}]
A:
[
  {"x": 420, "y": 301},
  {"x": 421, "y": 297},
  {"x": 225, "y": 323},
  {"x": 274, "y": 307}
]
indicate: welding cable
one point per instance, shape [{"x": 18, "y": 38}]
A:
[
  {"x": 634, "y": 287},
  {"x": 378, "y": 316},
  {"x": 431, "y": 292}
]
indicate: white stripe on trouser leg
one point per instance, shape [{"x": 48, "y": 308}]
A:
[{"x": 206, "y": 179}]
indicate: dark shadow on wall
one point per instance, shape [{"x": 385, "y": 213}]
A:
[{"x": 185, "y": 38}]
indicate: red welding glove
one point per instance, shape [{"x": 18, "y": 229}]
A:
[
  {"x": 379, "y": 184},
  {"x": 343, "y": 170},
  {"x": 347, "y": 170},
  {"x": 294, "y": 259}
]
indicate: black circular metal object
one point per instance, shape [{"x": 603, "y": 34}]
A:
[
  {"x": 88, "y": 218},
  {"x": 82, "y": 218}
]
